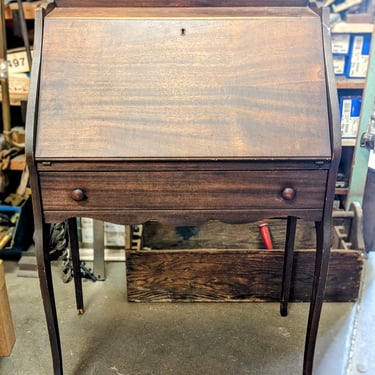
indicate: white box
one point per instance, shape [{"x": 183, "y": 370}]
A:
[
  {"x": 114, "y": 234},
  {"x": 359, "y": 58},
  {"x": 17, "y": 61},
  {"x": 340, "y": 44},
  {"x": 339, "y": 64},
  {"x": 350, "y": 111}
]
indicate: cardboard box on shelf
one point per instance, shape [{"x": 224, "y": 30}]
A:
[
  {"x": 350, "y": 111},
  {"x": 21, "y": 233},
  {"x": 340, "y": 44},
  {"x": 339, "y": 64},
  {"x": 358, "y": 61}
]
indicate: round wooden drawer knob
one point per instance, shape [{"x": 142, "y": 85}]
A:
[
  {"x": 78, "y": 195},
  {"x": 288, "y": 193}
]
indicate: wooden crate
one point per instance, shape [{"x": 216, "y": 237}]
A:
[
  {"x": 233, "y": 271},
  {"x": 7, "y": 334}
]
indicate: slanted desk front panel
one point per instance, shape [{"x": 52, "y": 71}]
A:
[{"x": 182, "y": 83}]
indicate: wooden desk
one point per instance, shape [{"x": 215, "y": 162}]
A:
[{"x": 181, "y": 115}]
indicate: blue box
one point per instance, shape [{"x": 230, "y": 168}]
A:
[
  {"x": 22, "y": 236},
  {"x": 340, "y": 44},
  {"x": 350, "y": 111},
  {"x": 359, "y": 57}
]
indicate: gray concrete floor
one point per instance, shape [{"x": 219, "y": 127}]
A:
[{"x": 115, "y": 337}]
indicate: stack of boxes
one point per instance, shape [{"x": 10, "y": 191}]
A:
[
  {"x": 341, "y": 52},
  {"x": 351, "y": 59},
  {"x": 351, "y": 54}
]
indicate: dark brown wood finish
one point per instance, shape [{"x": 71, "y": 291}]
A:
[
  {"x": 288, "y": 264},
  {"x": 183, "y": 190},
  {"x": 122, "y": 165},
  {"x": 41, "y": 228},
  {"x": 235, "y": 276},
  {"x": 323, "y": 227},
  {"x": 73, "y": 243},
  {"x": 207, "y": 89},
  {"x": 182, "y": 115},
  {"x": 179, "y": 3}
]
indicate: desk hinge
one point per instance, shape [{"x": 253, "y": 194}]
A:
[{"x": 320, "y": 163}]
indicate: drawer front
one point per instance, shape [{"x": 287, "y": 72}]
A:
[{"x": 181, "y": 190}]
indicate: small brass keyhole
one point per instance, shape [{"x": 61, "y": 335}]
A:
[{"x": 183, "y": 32}]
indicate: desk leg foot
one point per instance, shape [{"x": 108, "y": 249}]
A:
[
  {"x": 46, "y": 288},
  {"x": 74, "y": 251},
  {"x": 288, "y": 264},
  {"x": 317, "y": 297}
]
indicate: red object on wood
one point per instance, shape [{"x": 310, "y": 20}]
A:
[{"x": 266, "y": 236}]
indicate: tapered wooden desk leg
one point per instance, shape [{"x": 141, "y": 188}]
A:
[
  {"x": 46, "y": 287},
  {"x": 288, "y": 264},
  {"x": 323, "y": 249},
  {"x": 74, "y": 251}
]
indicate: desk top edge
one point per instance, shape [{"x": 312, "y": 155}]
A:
[
  {"x": 180, "y": 3},
  {"x": 173, "y": 12}
]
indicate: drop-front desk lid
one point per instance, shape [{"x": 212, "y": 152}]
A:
[{"x": 180, "y": 83}]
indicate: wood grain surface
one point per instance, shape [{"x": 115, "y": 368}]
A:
[
  {"x": 183, "y": 190},
  {"x": 229, "y": 87},
  {"x": 177, "y": 3},
  {"x": 7, "y": 332},
  {"x": 235, "y": 275}
]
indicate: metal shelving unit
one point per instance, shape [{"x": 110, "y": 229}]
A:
[{"x": 358, "y": 166}]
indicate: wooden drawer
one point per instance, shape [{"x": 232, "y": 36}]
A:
[{"x": 182, "y": 190}]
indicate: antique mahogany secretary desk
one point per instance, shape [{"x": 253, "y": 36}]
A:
[{"x": 181, "y": 112}]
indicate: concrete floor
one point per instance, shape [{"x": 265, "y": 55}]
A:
[{"x": 115, "y": 337}]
